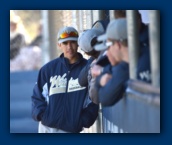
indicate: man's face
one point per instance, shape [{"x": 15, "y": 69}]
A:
[
  {"x": 111, "y": 53},
  {"x": 69, "y": 48}
]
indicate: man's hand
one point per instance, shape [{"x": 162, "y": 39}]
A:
[
  {"x": 96, "y": 70},
  {"x": 104, "y": 79}
]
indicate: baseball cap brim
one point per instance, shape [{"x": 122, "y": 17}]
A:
[
  {"x": 102, "y": 37},
  {"x": 100, "y": 47},
  {"x": 68, "y": 39}
]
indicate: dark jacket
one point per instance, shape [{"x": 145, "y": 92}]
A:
[
  {"x": 115, "y": 87},
  {"x": 144, "y": 68},
  {"x": 83, "y": 76},
  {"x": 58, "y": 99}
]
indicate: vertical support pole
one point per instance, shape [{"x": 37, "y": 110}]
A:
[
  {"x": 80, "y": 21},
  {"x": 100, "y": 118},
  {"x": 102, "y": 14},
  {"x": 45, "y": 44},
  {"x": 154, "y": 34},
  {"x": 133, "y": 42},
  {"x": 91, "y": 13},
  {"x": 52, "y": 34},
  {"x": 111, "y": 13}
]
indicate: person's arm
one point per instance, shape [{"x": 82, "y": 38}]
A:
[
  {"x": 93, "y": 92},
  {"x": 39, "y": 98},
  {"x": 82, "y": 78},
  {"x": 114, "y": 89},
  {"x": 97, "y": 72}
]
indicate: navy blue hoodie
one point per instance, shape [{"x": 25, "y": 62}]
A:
[{"x": 58, "y": 99}]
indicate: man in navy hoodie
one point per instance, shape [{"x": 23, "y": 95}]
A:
[{"x": 59, "y": 103}]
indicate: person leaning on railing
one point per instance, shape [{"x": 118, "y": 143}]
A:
[{"x": 112, "y": 86}]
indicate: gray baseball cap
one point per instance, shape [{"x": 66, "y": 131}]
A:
[
  {"x": 86, "y": 37},
  {"x": 98, "y": 26},
  {"x": 66, "y": 34},
  {"x": 116, "y": 30}
]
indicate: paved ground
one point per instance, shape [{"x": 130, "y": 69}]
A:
[{"x": 21, "y": 86}]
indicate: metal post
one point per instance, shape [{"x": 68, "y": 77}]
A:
[
  {"x": 80, "y": 21},
  {"x": 154, "y": 34},
  {"x": 95, "y": 15},
  {"x": 133, "y": 45},
  {"x": 45, "y": 44},
  {"x": 100, "y": 118},
  {"x": 91, "y": 13},
  {"x": 52, "y": 34},
  {"x": 102, "y": 14},
  {"x": 88, "y": 19},
  {"x": 111, "y": 13}
]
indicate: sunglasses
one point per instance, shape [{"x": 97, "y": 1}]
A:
[
  {"x": 66, "y": 35},
  {"x": 109, "y": 43}
]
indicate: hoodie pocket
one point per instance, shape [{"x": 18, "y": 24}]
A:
[{"x": 44, "y": 119}]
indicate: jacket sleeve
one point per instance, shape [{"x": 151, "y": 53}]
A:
[
  {"x": 89, "y": 115},
  {"x": 115, "y": 87},
  {"x": 93, "y": 91},
  {"x": 39, "y": 102},
  {"x": 82, "y": 78}
]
